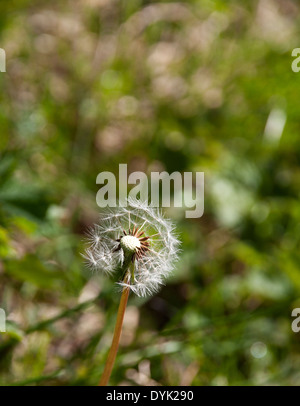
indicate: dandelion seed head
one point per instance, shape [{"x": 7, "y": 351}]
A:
[{"x": 141, "y": 230}]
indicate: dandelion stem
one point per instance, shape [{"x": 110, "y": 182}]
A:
[{"x": 116, "y": 338}]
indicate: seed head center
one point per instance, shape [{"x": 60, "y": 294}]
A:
[{"x": 129, "y": 243}]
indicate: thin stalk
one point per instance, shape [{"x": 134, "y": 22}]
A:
[{"x": 116, "y": 338}]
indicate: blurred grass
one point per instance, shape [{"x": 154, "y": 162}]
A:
[{"x": 189, "y": 86}]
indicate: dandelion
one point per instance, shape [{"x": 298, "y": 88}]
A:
[
  {"x": 139, "y": 244},
  {"x": 139, "y": 235}
]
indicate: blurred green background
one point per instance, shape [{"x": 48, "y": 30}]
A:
[{"x": 186, "y": 86}]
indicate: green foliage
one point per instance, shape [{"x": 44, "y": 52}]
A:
[{"x": 186, "y": 86}]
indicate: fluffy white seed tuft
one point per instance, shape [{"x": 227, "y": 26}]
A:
[
  {"x": 107, "y": 245},
  {"x": 130, "y": 243}
]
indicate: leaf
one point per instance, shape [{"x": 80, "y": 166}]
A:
[{"x": 31, "y": 269}]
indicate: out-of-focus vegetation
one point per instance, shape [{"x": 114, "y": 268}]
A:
[{"x": 186, "y": 86}]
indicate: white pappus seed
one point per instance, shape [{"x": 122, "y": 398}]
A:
[
  {"x": 129, "y": 243},
  {"x": 139, "y": 229}
]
